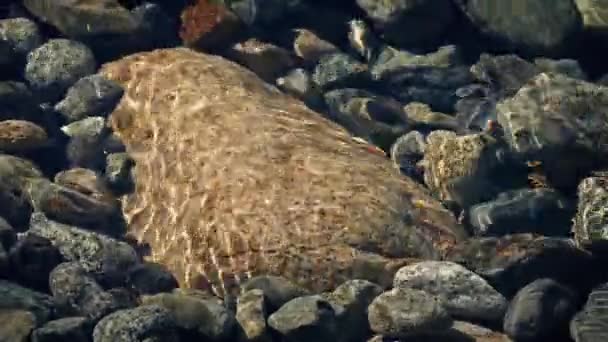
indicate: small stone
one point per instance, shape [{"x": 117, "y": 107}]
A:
[
  {"x": 251, "y": 314},
  {"x": 308, "y": 46},
  {"x": 16, "y": 208},
  {"x": 463, "y": 293},
  {"x": 591, "y": 323},
  {"x": 32, "y": 260},
  {"x": 309, "y": 318},
  {"x": 150, "y": 323},
  {"x": 56, "y": 65},
  {"x": 16, "y": 325},
  {"x": 151, "y": 278},
  {"x": 22, "y": 35},
  {"x": 406, "y": 152},
  {"x": 203, "y": 317},
  {"x": 21, "y": 136},
  {"x": 80, "y": 294},
  {"x": 86, "y": 151},
  {"x": 102, "y": 255},
  {"x": 90, "y": 126},
  {"x": 267, "y": 60},
  {"x": 119, "y": 173},
  {"x": 298, "y": 83},
  {"x": 73, "y": 329},
  {"x": 277, "y": 290},
  {"x": 405, "y": 312},
  {"x": 591, "y": 221},
  {"x": 90, "y": 96},
  {"x": 85, "y": 181},
  {"x": 16, "y": 297},
  {"x": 207, "y": 24},
  {"x": 338, "y": 70},
  {"x": 540, "y": 311}
]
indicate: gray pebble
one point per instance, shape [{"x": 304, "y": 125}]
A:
[{"x": 150, "y": 323}]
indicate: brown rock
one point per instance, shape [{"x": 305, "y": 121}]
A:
[
  {"x": 16, "y": 325},
  {"x": 238, "y": 179},
  {"x": 310, "y": 47},
  {"x": 208, "y": 24},
  {"x": 267, "y": 60},
  {"x": 21, "y": 136}
]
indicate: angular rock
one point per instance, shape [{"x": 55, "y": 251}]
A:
[
  {"x": 287, "y": 232},
  {"x": 21, "y": 34},
  {"x": 406, "y": 312},
  {"x": 73, "y": 329},
  {"x": 354, "y": 296},
  {"x": 540, "y": 211},
  {"x": 201, "y": 316},
  {"x": 540, "y": 311},
  {"x": 566, "y": 66},
  {"x": 251, "y": 314},
  {"x": 511, "y": 262},
  {"x": 16, "y": 325},
  {"x": 591, "y": 323},
  {"x": 91, "y": 126},
  {"x": 79, "y": 294},
  {"x": 32, "y": 260},
  {"x": 151, "y": 278},
  {"x": 463, "y": 169},
  {"x": 91, "y": 95},
  {"x": 591, "y": 217},
  {"x": 56, "y": 65},
  {"x": 463, "y": 294},
  {"x": 309, "y": 318},
  {"x": 145, "y": 323},
  {"x": 104, "y": 256},
  {"x": 310, "y": 47},
  {"x": 337, "y": 70},
  {"x": 15, "y": 297},
  {"x": 560, "y": 122}
]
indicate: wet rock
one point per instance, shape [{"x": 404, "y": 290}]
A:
[
  {"x": 74, "y": 329},
  {"x": 310, "y": 47},
  {"x": 16, "y": 101},
  {"x": 429, "y": 19},
  {"x": 201, "y": 316},
  {"x": 15, "y": 207},
  {"x": 506, "y": 73},
  {"x": 56, "y": 65},
  {"x": 118, "y": 175},
  {"x": 540, "y": 311},
  {"x": 21, "y": 136},
  {"x": 406, "y": 152},
  {"x": 8, "y": 236},
  {"x": 511, "y": 262},
  {"x": 209, "y": 25},
  {"x": 306, "y": 319},
  {"x": 105, "y": 257},
  {"x": 354, "y": 296},
  {"x": 92, "y": 210},
  {"x": 462, "y": 169},
  {"x": 337, "y": 70},
  {"x": 405, "y": 312},
  {"x": 538, "y": 27},
  {"x": 32, "y": 260},
  {"x": 591, "y": 324},
  {"x": 91, "y": 95},
  {"x": 591, "y": 218},
  {"x": 277, "y": 290},
  {"x": 541, "y": 211},
  {"x": 298, "y": 83},
  {"x": 151, "y": 278},
  {"x": 251, "y": 314},
  {"x": 21, "y": 34},
  {"x": 79, "y": 294},
  {"x": 16, "y": 297},
  {"x": 558, "y": 121},
  {"x": 265, "y": 59},
  {"x": 378, "y": 119},
  {"x": 16, "y": 325},
  {"x": 463, "y": 294},
  {"x": 148, "y": 323}
]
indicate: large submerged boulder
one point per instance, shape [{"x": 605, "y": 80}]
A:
[{"x": 236, "y": 179}]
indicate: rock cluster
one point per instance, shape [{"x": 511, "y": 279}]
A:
[{"x": 303, "y": 171}]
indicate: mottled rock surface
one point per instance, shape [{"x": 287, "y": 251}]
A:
[{"x": 312, "y": 200}]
